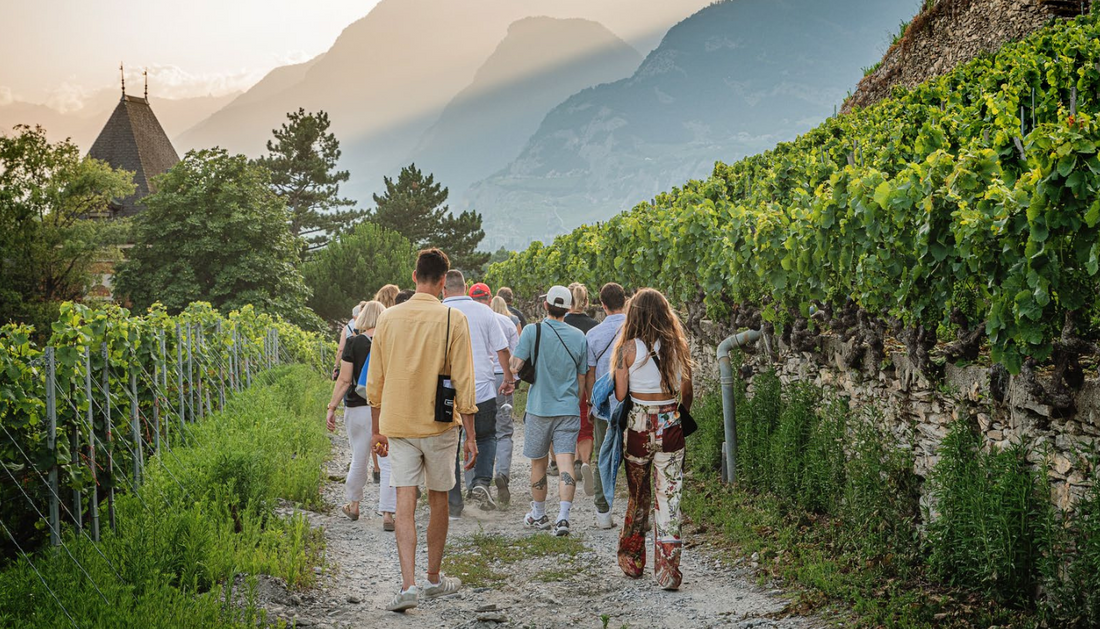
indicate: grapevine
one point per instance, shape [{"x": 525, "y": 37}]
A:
[{"x": 938, "y": 214}]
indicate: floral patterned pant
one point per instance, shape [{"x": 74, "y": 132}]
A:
[{"x": 654, "y": 457}]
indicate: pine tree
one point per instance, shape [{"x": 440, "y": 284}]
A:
[
  {"x": 415, "y": 206},
  {"x": 302, "y": 160}
]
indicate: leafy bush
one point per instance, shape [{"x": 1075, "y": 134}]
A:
[
  {"x": 991, "y": 522},
  {"x": 1072, "y": 569}
]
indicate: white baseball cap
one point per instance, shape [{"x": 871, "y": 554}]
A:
[{"x": 559, "y": 296}]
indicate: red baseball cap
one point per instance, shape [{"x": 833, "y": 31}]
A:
[{"x": 480, "y": 290}]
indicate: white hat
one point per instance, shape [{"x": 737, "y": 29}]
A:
[
  {"x": 559, "y": 296},
  {"x": 355, "y": 311}
]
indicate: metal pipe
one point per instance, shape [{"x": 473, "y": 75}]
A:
[{"x": 729, "y": 415}]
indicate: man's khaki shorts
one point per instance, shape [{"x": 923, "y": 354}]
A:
[{"x": 430, "y": 458}]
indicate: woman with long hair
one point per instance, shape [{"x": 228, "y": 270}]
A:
[
  {"x": 653, "y": 366},
  {"x": 357, "y": 421},
  {"x": 500, "y": 306},
  {"x": 387, "y": 295}
]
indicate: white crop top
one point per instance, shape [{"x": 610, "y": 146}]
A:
[{"x": 644, "y": 375}]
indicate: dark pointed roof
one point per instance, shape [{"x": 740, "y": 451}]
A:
[{"x": 134, "y": 140}]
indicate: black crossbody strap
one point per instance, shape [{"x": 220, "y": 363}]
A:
[
  {"x": 563, "y": 344},
  {"x": 657, "y": 361},
  {"x": 447, "y": 346},
  {"x": 610, "y": 343}
]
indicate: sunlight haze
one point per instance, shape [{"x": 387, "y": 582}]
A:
[{"x": 59, "y": 51}]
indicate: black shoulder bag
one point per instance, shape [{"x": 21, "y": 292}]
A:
[
  {"x": 687, "y": 422},
  {"x": 527, "y": 371},
  {"x": 444, "y": 388}
]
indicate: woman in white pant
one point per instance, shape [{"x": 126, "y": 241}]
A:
[{"x": 358, "y": 422}]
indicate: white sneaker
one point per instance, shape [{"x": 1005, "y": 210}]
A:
[
  {"x": 603, "y": 520},
  {"x": 403, "y": 600},
  {"x": 589, "y": 482},
  {"x": 445, "y": 587}
]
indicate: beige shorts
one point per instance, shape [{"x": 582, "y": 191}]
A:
[{"x": 430, "y": 458}]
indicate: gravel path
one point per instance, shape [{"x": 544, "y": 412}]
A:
[{"x": 585, "y": 589}]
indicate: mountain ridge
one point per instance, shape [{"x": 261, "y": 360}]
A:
[
  {"x": 731, "y": 80},
  {"x": 541, "y": 61}
]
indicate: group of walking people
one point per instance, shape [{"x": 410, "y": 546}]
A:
[{"x": 427, "y": 387}]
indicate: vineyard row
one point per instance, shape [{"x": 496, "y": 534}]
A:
[
  {"x": 964, "y": 210},
  {"x": 81, "y": 416}
]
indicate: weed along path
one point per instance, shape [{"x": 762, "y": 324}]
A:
[{"x": 514, "y": 577}]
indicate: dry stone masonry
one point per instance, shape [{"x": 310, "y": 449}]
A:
[{"x": 918, "y": 412}]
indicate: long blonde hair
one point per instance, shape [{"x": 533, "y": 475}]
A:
[
  {"x": 388, "y": 295},
  {"x": 580, "y": 297},
  {"x": 368, "y": 316},
  {"x": 649, "y": 317},
  {"x": 500, "y": 306}
]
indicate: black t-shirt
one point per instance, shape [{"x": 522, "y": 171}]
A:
[
  {"x": 519, "y": 315},
  {"x": 582, "y": 322},
  {"x": 356, "y": 350}
]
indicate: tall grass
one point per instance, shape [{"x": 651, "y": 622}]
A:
[
  {"x": 205, "y": 514},
  {"x": 991, "y": 526}
]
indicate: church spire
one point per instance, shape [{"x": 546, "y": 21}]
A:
[
  {"x": 122, "y": 72},
  {"x": 145, "y": 74}
]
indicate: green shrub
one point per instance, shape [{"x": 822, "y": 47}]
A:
[
  {"x": 991, "y": 521},
  {"x": 881, "y": 506},
  {"x": 1072, "y": 571}
]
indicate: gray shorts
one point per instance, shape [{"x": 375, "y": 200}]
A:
[{"x": 539, "y": 431}]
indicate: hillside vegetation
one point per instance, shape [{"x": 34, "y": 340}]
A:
[{"x": 965, "y": 209}]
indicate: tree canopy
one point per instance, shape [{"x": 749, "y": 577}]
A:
[
  {"x": 353, "y": 268},
  {"x": 415, "y": 206},
  {"x": 302, "y": 160},
  {"x": 215, "y": 231},
  {"x": 48, "y": 247}
]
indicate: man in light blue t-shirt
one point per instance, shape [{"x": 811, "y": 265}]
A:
[{"x": 553, "y": 405}]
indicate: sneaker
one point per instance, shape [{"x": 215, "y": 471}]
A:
[
  {"x": 561, "y": 529},
  {"x": 504, "y": 496},
  {"x": 586, "y": 478},
  {"x": 603, "y": 521},
  {"x": 552, "y": 469},
  {"x": 541, "y": 524},
  {"x": 484, "y": 498},
  {"x": 445, "y": 587},
  {"x": 403, "y": 600}
]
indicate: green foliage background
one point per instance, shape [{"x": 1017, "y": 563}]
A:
[
  {"x": 352, "y": 269},
  {"x": 214, "y": 231}
]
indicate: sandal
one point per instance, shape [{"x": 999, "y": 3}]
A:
[
  {"x": 352, "y": 515},
  {"x": 388, "y": 522}
]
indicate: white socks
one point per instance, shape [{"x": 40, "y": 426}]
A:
[
  {"x": 538, "y": 509},
  {"x": 563, "y": 510}
]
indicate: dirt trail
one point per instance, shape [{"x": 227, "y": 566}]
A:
[{"x": 553, "y": 591}]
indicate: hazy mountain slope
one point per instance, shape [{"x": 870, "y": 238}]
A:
[
  {"x": 389, "y": 75},
  {"x": 541, "y": 62},
  {"x": 731, "y": 80}
]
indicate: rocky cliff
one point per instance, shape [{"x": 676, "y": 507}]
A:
[{"x": 948, "y": 33}]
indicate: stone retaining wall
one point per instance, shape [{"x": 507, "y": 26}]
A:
[{"x": 918, "y": 413}]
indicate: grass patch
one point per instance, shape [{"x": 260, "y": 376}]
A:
[
  {"x": 204, "y": 515},
  {"x": 479, "y": 558}
]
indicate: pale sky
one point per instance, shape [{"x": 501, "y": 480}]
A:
[{"x": 56, "y": 51}]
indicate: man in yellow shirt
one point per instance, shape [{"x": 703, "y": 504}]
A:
[{"x": 414, "y": 343}]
